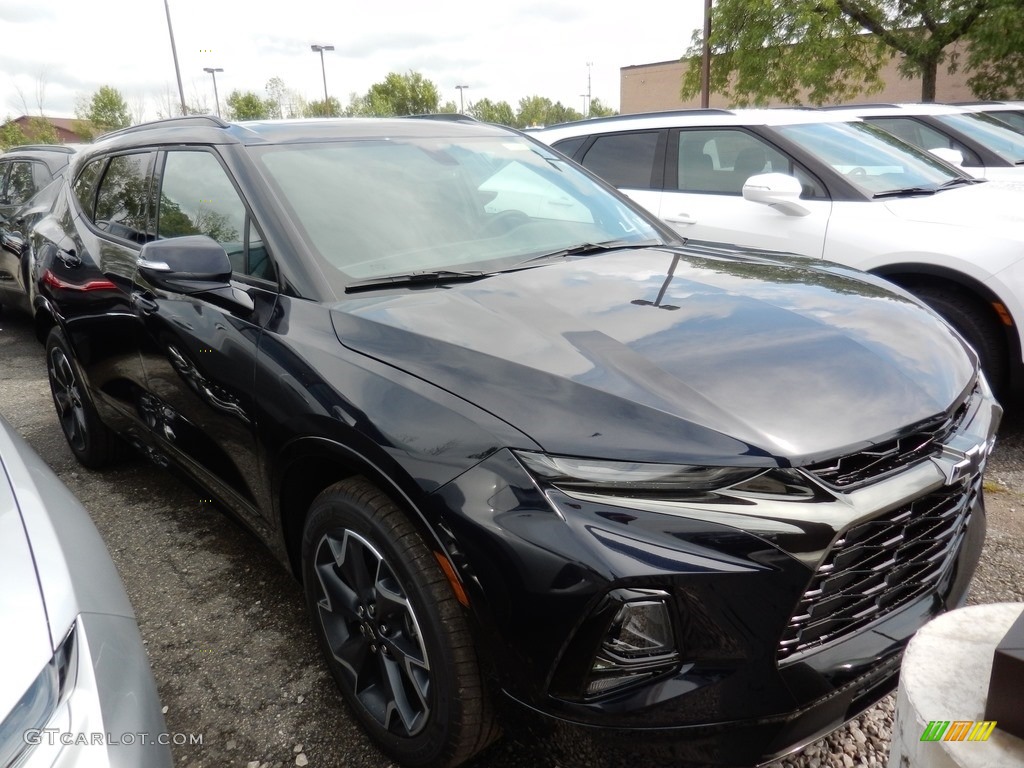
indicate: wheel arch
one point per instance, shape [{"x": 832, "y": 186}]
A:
[
  {"x": 310, "y": 465},
  {"x": 911, "y": 276}
]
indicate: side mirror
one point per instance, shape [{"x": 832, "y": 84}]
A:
[
  {"x": 951, "y": 156},
  {"x": 779, "y": 190},
  {"x": 195, "y": 264}
]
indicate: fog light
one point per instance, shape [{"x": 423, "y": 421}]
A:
[{"x": 639, "y": 644}]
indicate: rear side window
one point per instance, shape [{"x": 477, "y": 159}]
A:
[
  {"x": 20, "y": 184},
  {"x": 625, "y": 160},
  {"x": 121, "y": 200}
]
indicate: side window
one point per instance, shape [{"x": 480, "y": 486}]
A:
[
  {"x": 719, "y": 161},
  {"x": 625, "y": 160},
  {"x": 85, "y": 186},
  {"x": 121, "y": 209},
  {"x": 198, "y": 198},
  {"x": 4, "y": 169},
  {"x": 20, "y": 186},
  {"x": 568, "y": 147},
  {"x": 924, "y": 136}
]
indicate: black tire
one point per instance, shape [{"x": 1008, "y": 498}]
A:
[
  {"x": 90, "y": 440},
  {"x": 978, "y": 324},
  {"x": 392, "y": 631}
]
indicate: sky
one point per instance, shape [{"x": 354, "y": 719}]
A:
[{"x": 57, "y": 52}]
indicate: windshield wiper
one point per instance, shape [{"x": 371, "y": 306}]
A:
[
  {"x": 906, "y": 192},
  {"x": 587, "y": 248},
  {"x": 433, "y": 277},
  {"x": 958, "y": 181}
]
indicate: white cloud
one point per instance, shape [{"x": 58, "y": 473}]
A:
[{"x": 503, "y": 51}]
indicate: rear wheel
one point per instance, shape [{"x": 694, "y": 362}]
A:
[
  {"x": 391, "y": 630},
  {"x": 92, "y": 442},
  {"x": 977, "y": 323}
]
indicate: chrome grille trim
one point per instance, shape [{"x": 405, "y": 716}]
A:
[
  {"x": 854, "y": 469},
  {"x": 879, "y": 565}
]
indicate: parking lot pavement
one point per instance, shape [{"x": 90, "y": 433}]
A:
[{"x": 226, "y": 626}]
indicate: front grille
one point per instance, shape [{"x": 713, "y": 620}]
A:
[
  {"x": 879, "y": 565},
  {"x": 857, "y": 468}
]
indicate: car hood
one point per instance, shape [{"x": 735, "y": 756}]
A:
[
  {"x": 25, "y": 642},
  {"x": 996, "y": 207},
  {"x": 673, "y": 355}
]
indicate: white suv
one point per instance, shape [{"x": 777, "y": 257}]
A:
[
  {"x": 983, "y": 145},
  {"x": 830, "y": 186}
]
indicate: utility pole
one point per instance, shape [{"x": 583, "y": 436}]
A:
[
  {"x": 174, "y": 52},
  {"x": 586, "y": 109},
  {"x": 705, "y": 62}
]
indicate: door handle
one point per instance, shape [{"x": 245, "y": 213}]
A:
[
  {"x": 681, "y": 218},
  {"x": 145, "y": 305},
  {"x": 68, "y": 258}
]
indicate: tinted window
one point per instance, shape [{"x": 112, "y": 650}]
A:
[
  {"x": 121, "y": 208},
  {"x": 624, "y": 159},
  {"x": 85, "y": 185},
  {"x": 198, "y": 198},
  {"x": 924, "y": 136},
  {"x": 20, "y": 184},
  {"x": 569, "y": 146}
]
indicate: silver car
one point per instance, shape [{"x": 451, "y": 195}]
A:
[{"x": 75, "y": 684}]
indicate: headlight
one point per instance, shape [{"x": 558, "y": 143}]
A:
[
  {"x": 34, "y": 710},
  {"x": 631, "y": 477}
]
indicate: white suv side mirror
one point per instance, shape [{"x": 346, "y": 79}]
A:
[
  {"x": 951, "y": 156},
  {"x": 778, "y": 190}
]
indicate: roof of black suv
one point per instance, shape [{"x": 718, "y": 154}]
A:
[
  {"x": 207, "y": 129},
  {"x": 56, "y": 156}
]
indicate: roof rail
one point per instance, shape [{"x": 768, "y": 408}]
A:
[
  {"x": 869, "y": 105},
  {"x": 48, "y": 147},
  {"x": 451, "y": 117},
  {"x": 661, "y": 113},
  {"x": 186, "y": 121}
]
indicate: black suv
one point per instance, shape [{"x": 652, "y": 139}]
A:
[
  {"x": 27, "y": 191},
  {"x": 520, "y": 443}
]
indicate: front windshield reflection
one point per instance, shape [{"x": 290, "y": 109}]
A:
[
  {"x": 395, "y": 206},
  {"x": 871, "y": 159}
]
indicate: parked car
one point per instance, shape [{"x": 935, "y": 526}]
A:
[
  {"x": 75, "y": 684},
  {"x": 828, "y": 186},
  {"x": 27, "y": 191},
  {"x": 1010, "y": 112},
  {"x": 524, "y": 449},
  {"x": 982, "y": 144}
]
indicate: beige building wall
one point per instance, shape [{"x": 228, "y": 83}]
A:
[{"x": 653, "y": 87}]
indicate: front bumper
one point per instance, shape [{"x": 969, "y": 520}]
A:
[{"x": 536, "y": 561}]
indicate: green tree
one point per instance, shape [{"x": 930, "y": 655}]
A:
[
  {"x": 247, "y": 105},
  {"x": 11, "y": 135},
  {"x": 774, "y": 49},
  {"x": 597, "y": 109},
  {"x": 491, "y": 112},
  {"x": 535, "y": 111},
  {"x": 106, "y": 110},
  {"x": 329, "y": 108},
  {"x": 408, "y": 94},
  {"x": 996, "y": 58}
]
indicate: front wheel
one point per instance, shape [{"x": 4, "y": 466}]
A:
[
  {"x": 391, "y": 630},
  {"x": 978, "y": 325}
]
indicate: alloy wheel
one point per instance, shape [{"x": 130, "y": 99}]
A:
[
  {"x": 373, "y": 632},
  {"x": 68, "y": 398}
]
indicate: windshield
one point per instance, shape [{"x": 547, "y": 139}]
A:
[
  {"x": 874, "y": 161},
  {"x": 391, "y": 206},
  {"x": 1012, "y": 117},
  {"x": 997, "y": 136}
]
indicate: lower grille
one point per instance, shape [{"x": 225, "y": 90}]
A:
[{"x": 879, "y": 565}]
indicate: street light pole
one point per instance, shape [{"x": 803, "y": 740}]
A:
[
  {"x": 213, "y": 72},
  {"x": 462, "y": 106},
  {"x": 705, "y": 63},
  {"x": 323, "y": 71},
  {"x": 174, "y": 52},
  {"x": 586, "y": 111}
]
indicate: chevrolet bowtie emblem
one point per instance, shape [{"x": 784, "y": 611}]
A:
[{"x": 962, "y": 457}]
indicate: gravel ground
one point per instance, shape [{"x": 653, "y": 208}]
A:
[{"x": 227, "y": 631}]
